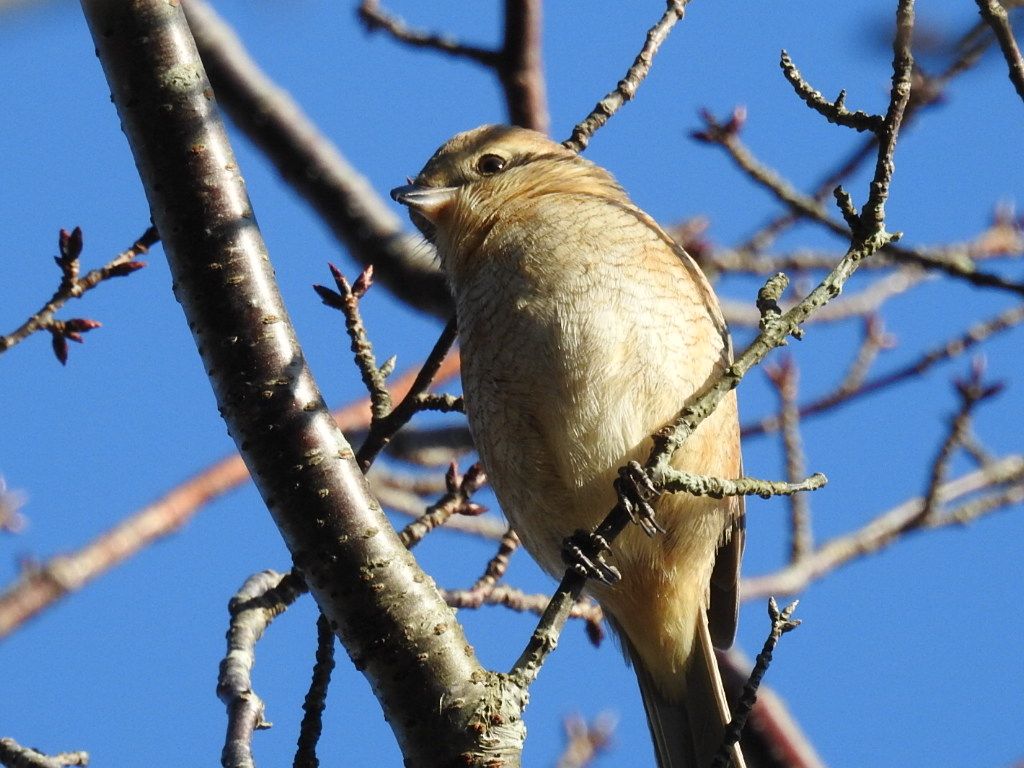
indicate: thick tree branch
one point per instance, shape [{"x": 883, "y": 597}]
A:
[{"x": 364, "y": 580}]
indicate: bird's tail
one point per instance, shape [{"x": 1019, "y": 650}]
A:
[{"x": 688, "y": 728}]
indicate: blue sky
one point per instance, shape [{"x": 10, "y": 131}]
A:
[{"x": 906, "y": 658}]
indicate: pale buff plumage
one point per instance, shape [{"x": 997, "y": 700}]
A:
[{"x": 584, "y": 329}]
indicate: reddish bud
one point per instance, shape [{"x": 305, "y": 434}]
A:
[
  {"x": 452, "y": 479},
  {"x": 973, "y": 387},
  {"x": 737, "y": 120},
  {"x": 363, "y": 282},
  {"x": 715, "y": 132},
  {"x": 70, "y": 244},
  {"x": 60, "y": 347},
  {"x": 472, "y": 509},
  {"x": 475, "y": 477},
  {"x": 125, "y": 268},
  {"x": 81, "y": 324},
  {"x": 339, "y": 279},
  {"x": 329, "y": 297}
]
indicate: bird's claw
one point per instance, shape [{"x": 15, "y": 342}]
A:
[
  {"x": 584, "y": 552},
  {"x": 637, "y": 493}
]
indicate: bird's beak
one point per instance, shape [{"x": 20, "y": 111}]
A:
[{"x": 426, "y": 201}]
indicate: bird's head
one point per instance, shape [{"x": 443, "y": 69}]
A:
[{"x": 476, "y": 175}]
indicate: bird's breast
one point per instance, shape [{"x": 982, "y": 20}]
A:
[{"x": 579, "y": 335}]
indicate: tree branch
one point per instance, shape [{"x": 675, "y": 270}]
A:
[
  {"x": 835, "y": 112},
  {"x": 520, "y": 68},
  {"x": 376, "y": 19},
  {"x": 785, "y": 376},
  {"x": 781, "y": 624},
  {"x": 261, "y": 599},
  {"x": 364, "y": 580},
  {"x": 14, "y": 755},
  {"x": 995, "y": 15},
  {"x": 867, "y": 238},
  {"x": 74, "y": 287},
  {"x": 628, "y": 85},
  {"x": 1005, "y": 477},
  {"x": 848, "y": 391}
]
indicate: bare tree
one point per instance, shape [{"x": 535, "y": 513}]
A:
[{"x": 172, "y": 69}]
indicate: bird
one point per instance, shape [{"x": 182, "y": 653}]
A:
[{"x": 583, "y": 329}]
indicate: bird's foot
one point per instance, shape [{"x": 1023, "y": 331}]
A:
[
  {"x": 584, "y": 552},
  {"x": 637, "y": 494}
]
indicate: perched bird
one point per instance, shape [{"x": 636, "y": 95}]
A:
[{"x": 584, "y": 329}]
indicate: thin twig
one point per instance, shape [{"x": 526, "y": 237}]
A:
[
  {"x": 431, "y": 446},
  {"x": 865, "y": 302},
  {"x": 261, "y": 599},
  {"x": 972, "y": 392},
  {"x": 833, "y": 111},
  {"x": 677, "y": 481},
  {"x": 872, "y": 216},
  {"x": 771, "y": 730},
  {"x": 978, "y": 452},
  {"x": 974, "y": 335},
  {"x": 785, "y": 377},
  {"x": 497, "y": 566},
  {"x": 456, "y": 501},
  {"x": 995, "y": 15},
  {"x": 628, "y": 85},
  {"x": 874, "y": 339},
  {"x": 972, "y": 510},
  {"x": 726, "y": 136},
  {"x": 781, "y": 624},
  {"x": 346, "y": 300},
  {"x": 376, "y": 19},
  {"x": 930, "y": 91},
  {"x": 1003, "y": 479},
  {"x": 74, "y": 287},
  {"x": 489, "y": 527},
  {"x": 385, "y": 425},
  {"x": 517, "y": 600},
  {"x": 316, "y": 697},
  {"x": 14, "y": 755}
]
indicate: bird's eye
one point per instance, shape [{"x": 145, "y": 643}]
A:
[{"x": 488, "y": 165}]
